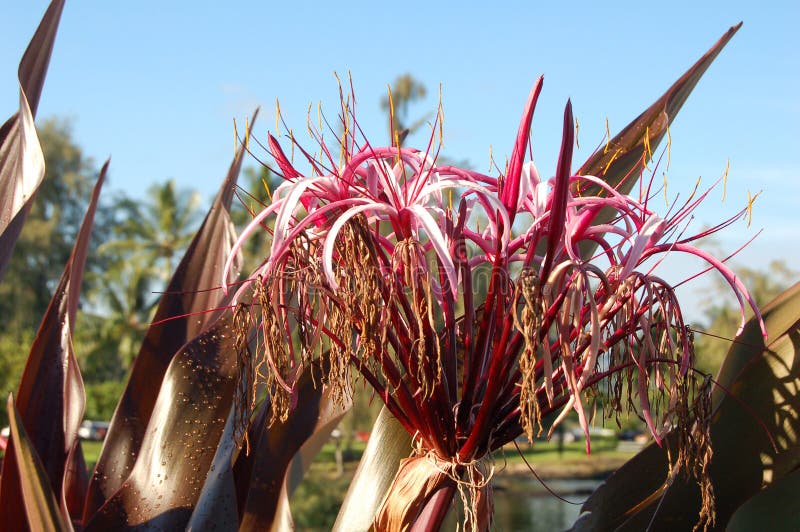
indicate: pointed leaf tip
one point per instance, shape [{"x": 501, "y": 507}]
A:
[
  {"x": 623, "y": 154},
  {"x": 511, "y": 187},
  {"x": 560, "y": 190},
  {"x": 623, "y": 157},
  {"x": 183, "y": 312}
]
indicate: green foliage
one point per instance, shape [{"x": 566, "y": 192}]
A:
[
  {"x": 91, "y": 450},
  {"x": 102, "y": 398},
  {"x": 316, "y": 501},
  {"x": 146, "y": 240},
  {"x": 157, "y": 231},
  {"x": 14, "y": 349}
]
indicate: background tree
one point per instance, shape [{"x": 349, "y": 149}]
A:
[
  {"x": 147, "y": 240},
  {"x": 406, "y": 89},
  {"x": 157, "y": 230}
]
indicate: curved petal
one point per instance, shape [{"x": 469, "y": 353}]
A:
[
  {"x": 439, "y": 243},
  {"x": 333, "y": 232}
]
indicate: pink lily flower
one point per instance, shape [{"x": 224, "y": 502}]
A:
[{"x": 372, "y": 268}]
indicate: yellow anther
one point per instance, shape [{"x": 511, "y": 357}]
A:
[
  {"x": 391, "y": 115},
  {"x": 266, "y": 189},
  {"x": 346, "y": 130},
  {"x": 577, "y": 130},
  {"x": 441, "y": 118},
  {"x": 669, "y": 146},
  {"x": 648, "y": 153},
  {"x": 608, "y": 137},
  {"x": 725, "y": 179},
  {"x": 277, "y": 118},
  {"x": 613, "y": 157},
  {"x": 750, "y": 200},
  {"x": 696, "y": 186},
  {"x": 235, "y": 138},
  {"x": 666, "y": 199}
]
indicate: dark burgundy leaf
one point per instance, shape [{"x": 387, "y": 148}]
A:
[
  {"x": 217, "y": 507},
  {"x": 40, "y": 510},
  {"x": 621, "y": 161},
  {"x": 51, "y": 397},
  {"x": 179, "y": 443},
  {"x": 187, "y": 306},
  {"x": 623, "y": 155},
  {"x": 254, "y": 491},
  {"x": 284, "y": 451},
  {"x": 21, "y": 159},
  {"x": 76, "y": 482}
]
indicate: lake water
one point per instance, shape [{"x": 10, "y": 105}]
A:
[{"x": 526, "y": 506}]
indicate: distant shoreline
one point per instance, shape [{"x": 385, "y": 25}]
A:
[{"x": 598, "y": 467}]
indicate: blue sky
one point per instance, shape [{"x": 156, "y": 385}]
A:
[{"x": 156, "y": 86}]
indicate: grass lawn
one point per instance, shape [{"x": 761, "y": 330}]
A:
[
  {"x": 548, "y": 452},
  {"x": 541, "y": 453},
  {"x": 91, "y": 450}
]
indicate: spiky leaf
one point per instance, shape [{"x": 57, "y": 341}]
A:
[
  {"x": 51, "y": 397},
  {"x": 180, "y": 441},
  {"x": 252, "y": 488},
  {"x": 187, "y": 306},
  {"x": 283, "y": 453},
  {"x": 40, "y": 508},
  {"x": 21, "y": 158},
  {"x": 621, "y": 161}
]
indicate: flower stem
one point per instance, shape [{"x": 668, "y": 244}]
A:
[{"x": 432, "y": 516}]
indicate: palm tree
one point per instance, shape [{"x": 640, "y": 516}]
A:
[
  {"x": 148, "y": 240},
  {"x": 157, "y": 230},
  {"x": 405, "y": 90}
]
